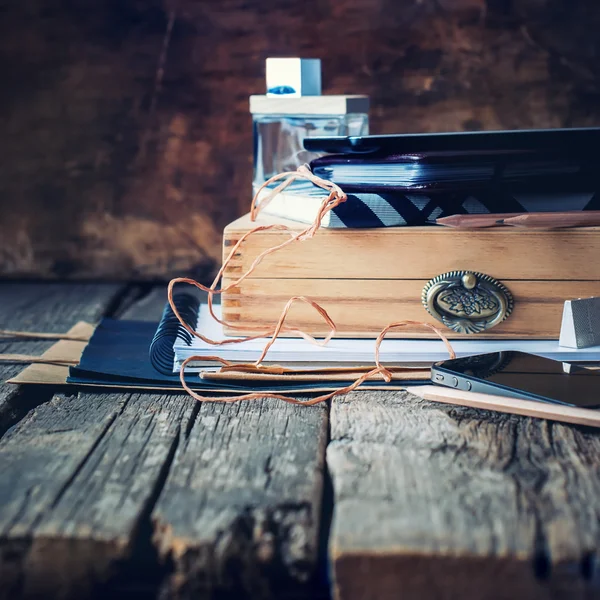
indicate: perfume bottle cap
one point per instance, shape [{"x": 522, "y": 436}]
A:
[
  {"x": 293, "y": 77},
  {"x": 308, "y": 105}
]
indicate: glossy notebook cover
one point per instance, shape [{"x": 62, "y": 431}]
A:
[{"x": 575, "y": 140}]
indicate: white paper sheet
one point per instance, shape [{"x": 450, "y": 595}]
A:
[{"x": 362, "y": 351}]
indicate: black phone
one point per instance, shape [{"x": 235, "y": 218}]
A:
[
  {"x": 521, "y": 375},
  {"x": 578, "y": 141}
]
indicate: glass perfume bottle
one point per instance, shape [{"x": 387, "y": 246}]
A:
[{"x": 294, "y": 109}]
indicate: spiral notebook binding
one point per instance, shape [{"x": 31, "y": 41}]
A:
[{"x": 162, "y": 355}]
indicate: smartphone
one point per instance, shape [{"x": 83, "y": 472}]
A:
[
  {"x": 521, "y": 375},
  {"x": 576, "y": 140}
]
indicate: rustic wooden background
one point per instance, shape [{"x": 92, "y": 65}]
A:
[{"x": 125, "y": 138}]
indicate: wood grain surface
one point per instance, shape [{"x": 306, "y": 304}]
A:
[
  {"x": 126, "y": 140},
  {"x": 367, "y": 278},
  {"x": 414, "y": 252},
  {"x": 79, "y": 475},
  {"x": 52, "y": 308},
  {"x": 240, "y": 513},
  {"x": 364, "y": 308},
  {"x": 439, "y": 501},
  {"x": 154, "y": 495},
  {"x": 240, "y": 510},
  {"x": 121, "y": 494}
]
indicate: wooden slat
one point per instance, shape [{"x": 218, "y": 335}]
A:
[
  {"x": 239, "y": 513},
  {"x": 43, "y": 307},
  {"x": 240, "y": 510},
  {"x": 78, "y": 476},
  {"x": 244, "y": 490},
  {"x": 416, "y": 252},
  {"x": 435, "y": 500},
  {"x": 364, "y": 308},
  {"x": 94, "y": 466}
]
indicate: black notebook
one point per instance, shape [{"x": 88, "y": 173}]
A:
[{"x": 573, "y": 141}]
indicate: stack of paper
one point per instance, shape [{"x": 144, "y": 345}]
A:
[{"x": 361, "y": 352}]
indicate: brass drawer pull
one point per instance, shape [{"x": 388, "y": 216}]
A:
[{"x": 466, "y": 301}]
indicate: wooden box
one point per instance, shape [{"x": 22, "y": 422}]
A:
[{"x": 367, "y": 278}]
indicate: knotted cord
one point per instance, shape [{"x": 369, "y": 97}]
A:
[{"x": 335, "y": 197}]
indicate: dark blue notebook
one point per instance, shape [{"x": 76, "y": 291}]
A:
[{"x": 136, "y": 354}]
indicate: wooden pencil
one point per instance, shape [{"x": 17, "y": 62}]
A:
[
  {"x": 473, "y": 221},
  {"x": 546, "y": 220},
  {"x": 555, "y": 220},
  {"x": 516, "y": 406}
]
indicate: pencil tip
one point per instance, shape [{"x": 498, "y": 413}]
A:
[{"x": 500, "y": 222}]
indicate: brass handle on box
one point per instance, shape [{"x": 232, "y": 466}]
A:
[{"x": 466, "y": 301}]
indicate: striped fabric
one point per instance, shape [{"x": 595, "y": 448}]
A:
[{"x": 392, "y": 209}]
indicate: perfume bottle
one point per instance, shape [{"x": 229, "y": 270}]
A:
[{"x": 293, "y": 109}]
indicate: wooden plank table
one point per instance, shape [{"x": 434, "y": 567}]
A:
[{"x": 377, "y": 496}]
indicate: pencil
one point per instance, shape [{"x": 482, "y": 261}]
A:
[
  {"x": 553, "y": 220},
  {"x": 474, "y": 221},
  {"x": 546, "y": 220}
]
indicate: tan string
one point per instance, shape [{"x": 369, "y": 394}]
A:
[
  {"x": 27, "y": 359},
  {"x": 32, "y": 335},
  {"x": 379, "y": 369},
  {"x": 387, "y": 374},
  {"x": 335, "y": 197}
]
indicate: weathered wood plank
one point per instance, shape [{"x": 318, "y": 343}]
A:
[
  {"x": 129, "y": 120},
  {"x": 149, "y": 307},
  {"x": 93, "y": 466},
  {"x": 240, "y": 511},
  {"x": 239, "y": 514},
  {"x": 48, "y": 308},
  {"x": 433, "y": 500},
  {"x": 39, "y": 458},
  {"x": 78, "y": 477}
]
